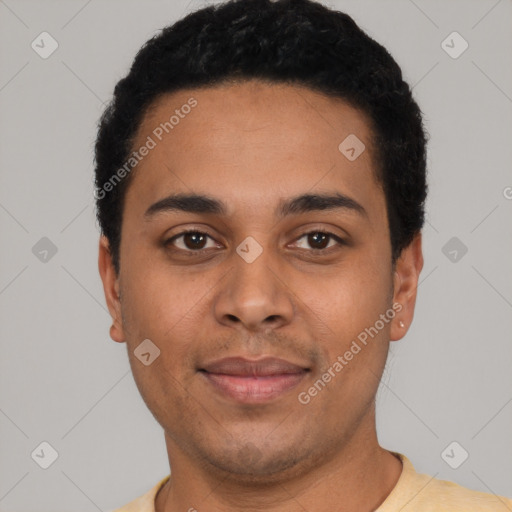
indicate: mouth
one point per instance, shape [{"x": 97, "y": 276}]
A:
[{"x": 253, "y": 381}]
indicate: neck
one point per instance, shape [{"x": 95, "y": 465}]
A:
[{"x": 360, "y": 475}]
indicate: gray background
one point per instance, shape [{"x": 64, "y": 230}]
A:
[{"x": 62, "y": 380}]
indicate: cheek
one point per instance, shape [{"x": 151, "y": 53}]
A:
[
  {"x": 168, "y": 308},
  {"x": 158, "y": 295},
  {"x": 356, "y": 346},
  {"x": 160, "y": 307},
  {"x": 348, "y": 298}
]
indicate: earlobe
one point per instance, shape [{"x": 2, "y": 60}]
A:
[
  {"x": 111, "y": 289},
  {"x": 407, "y": 271}
]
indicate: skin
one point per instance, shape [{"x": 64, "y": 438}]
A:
[{"x": 251, "y": 145}]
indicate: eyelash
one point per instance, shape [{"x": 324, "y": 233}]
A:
[{"x": 332, "y": 236}]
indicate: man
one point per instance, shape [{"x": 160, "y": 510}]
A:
[{"x": 261, "y": 183}]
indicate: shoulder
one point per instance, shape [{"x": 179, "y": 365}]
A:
[
  {"x": 146, "y": 502},
  {"x": 451, "y": 496},
  {"x": 419, "y": 492}
]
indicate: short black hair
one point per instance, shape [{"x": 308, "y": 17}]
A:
[{"x": 297, "y": 42}]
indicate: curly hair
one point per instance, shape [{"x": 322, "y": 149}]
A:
[{"x": 298, "y": 42}]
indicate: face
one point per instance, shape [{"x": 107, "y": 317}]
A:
[{"x": 289, "y": 258}]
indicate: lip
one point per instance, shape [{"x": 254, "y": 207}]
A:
[{"x": 253, "y": 381}]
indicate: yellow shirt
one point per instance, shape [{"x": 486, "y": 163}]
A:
[{"x": 414, "y": 492}]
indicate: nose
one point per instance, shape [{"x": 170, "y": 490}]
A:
[{"x": 254, "y": 296}]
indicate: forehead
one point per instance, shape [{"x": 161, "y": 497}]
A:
[{"x": 252, "y": 142}]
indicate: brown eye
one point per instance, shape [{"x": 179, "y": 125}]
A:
[
  {"x": 320, "y": 240},
  {"x": 194, "y": 240},
  {"x": 189, "y": 241}
]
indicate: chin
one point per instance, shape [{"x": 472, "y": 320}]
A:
[{"x": 250, "y": 465}]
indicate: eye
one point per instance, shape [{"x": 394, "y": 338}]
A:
[
  {"x": 197, "y": 241},
  {"x": 320, "y": 240},
  {"x": 191, "y": 240}
]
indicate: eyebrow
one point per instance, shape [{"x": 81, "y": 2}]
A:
[{"x": 198, "y": 203}]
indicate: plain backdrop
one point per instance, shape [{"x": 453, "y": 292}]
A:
[{"x": 63, "y": 381}]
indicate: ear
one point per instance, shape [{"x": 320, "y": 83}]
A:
[
  {"x": 111, "y": 288},
  {"x": 407, "y": 271}
]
